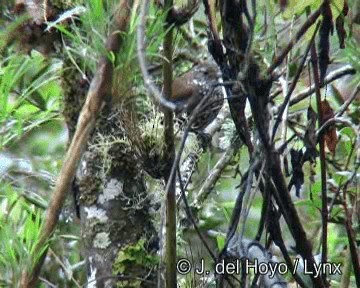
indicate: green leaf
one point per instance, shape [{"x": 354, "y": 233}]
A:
[
  {"x": 296, "y": 7},
  {"x": 349, "y": 132},
  {"x": 220, "y": 240}
]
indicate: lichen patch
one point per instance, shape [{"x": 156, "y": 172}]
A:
[
  {"x": 113, "y": 189},
  {"x": 95, "y": 212},
  {"x": 101, "y": 240}
]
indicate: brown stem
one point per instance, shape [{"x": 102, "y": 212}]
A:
[
  {"x": 324, "y": 208},
  {"x": 169, "y": 157},
  {"x": 352, "y": 240},
  {"x": 353, "y": 251}
]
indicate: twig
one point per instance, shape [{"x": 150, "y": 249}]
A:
[
  {"x": 250, "y": 198},
  {"x": 252, "y": 33},
  {"x": 352, "y": 241},
  {"x": 339, "y": 113},
  {"x": 98, "y": 93},
  {"x": 191, "y": 217},
  {"x": 346, "y": 270},
  {"x": 65, "y": 269},
  {"x": 347, "y": 103},
  {"x": 246, "y": 183},
  {"x": 219, "y": 121},
  {"x": 215, "y": 174},
  {"x": 324, "y": 208},
  {"x": 258, "y": 91},
  {"x": 270, "y": 215},
  {"x": 148, "y": 82},
  {"x": 276, "y": 235},
  {"x": 341, "y": 72},
  {"x": 266, "y": 206},
  {"x": 284, "y": 82},
  {"x": 293, "y": 84},
  {"x": 288, "y": 209},
  {"x": 346, "y": 183},
  {"x": 191, "y": 120},
  {"x": 48, "y": 283},
  {"x": 331, "y": 122},
  {"x": 309, "y": 22},
  {"x": 245, "y": 9}
]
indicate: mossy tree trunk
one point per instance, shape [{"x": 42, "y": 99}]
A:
[{"x": 118, "y": 235}]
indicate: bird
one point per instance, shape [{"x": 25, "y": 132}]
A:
[{"x": 191, "y": 87}]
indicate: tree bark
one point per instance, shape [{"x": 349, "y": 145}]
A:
[{"x": 116, "y": 225}]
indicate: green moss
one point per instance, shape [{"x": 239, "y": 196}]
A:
[{"x": 136, "y": 257}]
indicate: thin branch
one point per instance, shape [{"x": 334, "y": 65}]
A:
[
  {"x": 352, "y": 240},
  {"x": 169, "y": 155},
  {"x": 309, "y": 22},
  {"x": 294, "y": 82},
  {"x": 265, "y": 208},
  {"x": 246, "y": 183},
  {"x": 347, "y": 182},
  {"x": 214, "y": 175},
  {"x": 331, "y": 122},
  {"x": 284, "y": 82},
  {"x": 148, "y": 82},
  {"x": 258, "y": 91},
  {"x": 347, "y": 103},
  {"x": 219, "y": 121},
  {"x": 337, "y": 118},
  {"x": 276, "y": 235},
  {"x": 287, "y": 208},
  {"x": 191, "y": 217},
  {"x": 66, "y": 270},
  {"x": 250, "y": 198},
  {"x": 336, "y": 74},
  {"x": 324, "y": 208}
]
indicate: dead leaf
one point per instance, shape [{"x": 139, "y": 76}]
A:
[
  {"x": 331, "y": 139},
  {"x": 330, "y": 136}
]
